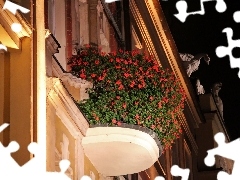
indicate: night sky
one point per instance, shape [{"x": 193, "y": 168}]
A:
[{"x": 203, "y": 34}]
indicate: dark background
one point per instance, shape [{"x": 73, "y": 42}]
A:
[{"x": 203, "y": 34}]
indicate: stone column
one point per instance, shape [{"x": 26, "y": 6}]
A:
[
  {"x": 93, "y": 22},
  {"x": 83, "y": 20}
]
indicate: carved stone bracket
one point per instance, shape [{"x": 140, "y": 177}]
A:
[{"x": 51, "y": 42}]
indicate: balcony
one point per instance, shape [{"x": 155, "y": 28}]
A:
[{"x": 115, "y": 150}]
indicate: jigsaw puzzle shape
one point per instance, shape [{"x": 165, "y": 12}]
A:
[
  {"x": 12, "y": 7},
  {"x": 236, "y": 17},
  {"x": 85, "y": 178},
  {"x": 177, "y": 171},
  {"x": 10, "y": 169},
  {"x": 228, "y": 150},
  {"x": 7, "y": 163},
  {"x": 159, "y": 178},
  {"x": 3, "y": 126},
  {"x": 222, "y": 51},
  {"x": 182, "y": 9}
]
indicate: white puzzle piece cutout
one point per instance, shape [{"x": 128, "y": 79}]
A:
[
  {"x": 12, "y": 7},
  {"x": 228, "y": 150},
  {"x": 182, "y": 9},
  {"x": 223, "y": 51}
]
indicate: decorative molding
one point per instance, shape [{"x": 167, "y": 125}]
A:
[
  {"x": 143, "y": 29},
  {"x": 66, "y": 109},
  {"x": 74, "y": 81},
  {"x": 186, "y": 128},
  {"x": 68, "y": 78},
  {"x": 64, "y": 146},
  {"x": 166, "y": 43},
  {"x": 51, "y": 42},
  {"x": 7, "y": 19},
  {"x": 72, "y": 119},
  {"x": 136, "y": 39},
  {"x": 58, "y": 158}
]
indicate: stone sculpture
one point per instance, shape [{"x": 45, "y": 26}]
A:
[
  {"x": 191, "y": 63},
  {"x": 215, "y": 90},
  {"x": 199, "y": 88}
]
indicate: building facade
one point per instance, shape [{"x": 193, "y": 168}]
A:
[{"x": 35, "y": 68}]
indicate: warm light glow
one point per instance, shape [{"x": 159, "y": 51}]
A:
[
  {"x": 41, "y": 85},
  {"x": 12, "y": 7},
  {"x": 16, "y": 27},
  {"x": 2, "y": 47}
]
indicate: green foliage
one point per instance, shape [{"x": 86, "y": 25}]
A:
[{"x": 130, "y": 87}]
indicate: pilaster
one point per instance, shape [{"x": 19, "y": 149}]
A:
[{"x": 93, "y": 22}]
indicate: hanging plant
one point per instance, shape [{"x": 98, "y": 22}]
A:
[{"x": 130, "y": 87}]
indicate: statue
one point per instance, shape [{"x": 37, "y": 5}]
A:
[
  {"x": 199, "y": 88},
  {"x": 191, "y": 63},
  {"x": 215, "y": 90}
]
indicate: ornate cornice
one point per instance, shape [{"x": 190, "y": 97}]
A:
[
  {"x": 66, "y": 109},
  {"x": 70, "y": 116},
  {"x": 143, "y": 29},
  {"x": 186, "y": 128},
  {"x": 136, "y": 39},
  {"x": 168, "y": 50},
  {"x": 68, "y": 77},
  {"x": 7, "y": 19},
  {"x": 51, "y": 42},
  {"x": 172, "y": 55}
]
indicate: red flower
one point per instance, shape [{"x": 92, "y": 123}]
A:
[
  {"x": 159, "y": 105},
  {"x": 117, "y": 97},
  {"x": 97, "y": 62},
  {"x": 118, "y": 60},
  {"x": 85, "y": 63},
  {"x": 127, "y": 75},
  {"x": 83, "y": 75},
  {"x": 96, "y": 118},
  {"x": 93, "y": 75},
  {"x": 151, "y": 98},
  {"x": 132, "y": 84},
  {"x": 119, "y": 123},
  {"x": 136, "y": 102},
  {"x": 100, "y": 78},
  {"x": 118, "y": 82},
  {"x": 125, "y": 62},
  {"x": 114, "y": 121},
  {"x": 120, "y": 87},
  {"x": 156, "y": 67},
  {"x": 137, "y": 116},
  {"x": 124, "y": 105},
  {"x": 153, "y": 127}
]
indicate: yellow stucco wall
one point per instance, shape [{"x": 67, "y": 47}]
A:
[
  {"x": 88, "y": 168},
  {"x": 16, "y": 98},
  {"x": 60, "y": 129},
  {"x": 4, "y": 95},
  {"x": 21, "y": 99}
]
